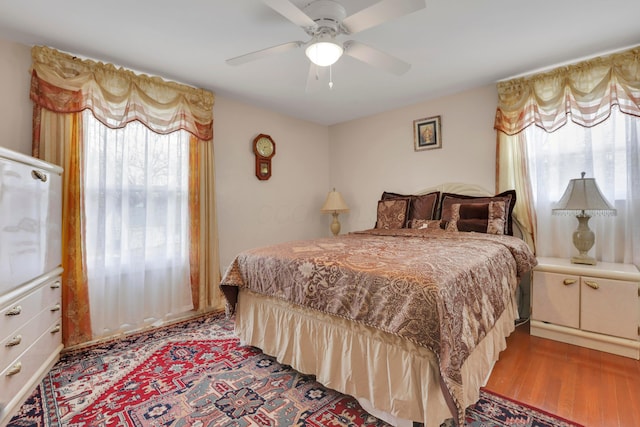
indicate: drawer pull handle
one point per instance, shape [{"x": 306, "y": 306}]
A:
[
  {"x": 14, "y": 311},
  {"x": 36, "y": 174},
  {"x": 592, "y": 285},
  {"x": 14, "y": 341},
  {"x": 55, "y": 285},
  {"x": 55, "y": 329},
  {"x": 55, "y": 307},
  {"x": 14, "y": 369},
  {"x": 568, "y": 282}
]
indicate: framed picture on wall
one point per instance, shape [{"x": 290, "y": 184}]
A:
[{"x": 427, "y": 134}]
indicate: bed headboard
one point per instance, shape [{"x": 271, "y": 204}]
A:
[{"x": 459, "y": 188}]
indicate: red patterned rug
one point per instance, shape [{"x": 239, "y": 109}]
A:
[{"x": 197, "y": 374}]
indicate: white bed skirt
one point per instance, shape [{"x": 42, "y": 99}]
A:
[{"x": 400, "y": 380}]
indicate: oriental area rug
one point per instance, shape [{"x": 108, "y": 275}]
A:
[{"x": 196, "y": 373}]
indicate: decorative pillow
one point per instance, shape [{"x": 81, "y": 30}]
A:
[
  {"x": 508, "y": 197},
  {"x": 487, "y": 218},
  {"x": 392, "y": 213},
  {"x": 425, "y": 223},
  {"x": 420, "y": 206}
]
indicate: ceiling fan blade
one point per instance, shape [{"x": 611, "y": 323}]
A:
[
  {"x": 248, "y": 57},
  {"x": 316, "y": 78},
  {"x": 292, "y": 12},
  {"x": 375, "y": 57},
  {"x": 380, "y": 12}
]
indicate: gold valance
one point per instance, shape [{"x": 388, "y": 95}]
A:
[
  {"x": 585, "y": 92},
  {"x": 116, "y": 96}
]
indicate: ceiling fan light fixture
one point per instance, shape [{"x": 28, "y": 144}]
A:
[{"x": 324, "y": 52}]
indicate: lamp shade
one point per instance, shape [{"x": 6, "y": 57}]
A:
[
  {"x": 583, "y": 195},
  {"x": 334, "y": 203},
  {"x": 324, "y": 51}
]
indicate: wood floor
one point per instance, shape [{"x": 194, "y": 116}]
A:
[{"x": 590, "y": 387}]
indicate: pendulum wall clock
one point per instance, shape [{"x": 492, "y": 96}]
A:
[{"x": 264, "y": 149}]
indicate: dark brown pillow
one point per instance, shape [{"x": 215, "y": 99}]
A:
[
  {"x": 392, "y": 213},
  {"x": 508, "y": 197},
  {"x": 487, "y": 218},
  {"x": 421, "y": 206}
]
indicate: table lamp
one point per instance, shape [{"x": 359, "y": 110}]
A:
[
  {"x": 583, "y": 197},
  {"x": 334, "y": 204}
]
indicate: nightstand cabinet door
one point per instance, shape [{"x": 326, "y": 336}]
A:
[
  {"x": 556, "y": 298},
  {"x": 610, "y": 307}
]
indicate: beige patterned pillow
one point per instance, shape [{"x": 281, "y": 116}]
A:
[
  {"x": 487, "y": 218},
  {"x": 392, "y": 213},
  {"x": 497, "y": 218}
]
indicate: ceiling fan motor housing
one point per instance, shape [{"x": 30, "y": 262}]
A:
[{"x": 328, "y": 15}]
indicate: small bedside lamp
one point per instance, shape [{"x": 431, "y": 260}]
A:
[
  {"x": 334, "y": 204},
  {"x": 583, "y": 196}
]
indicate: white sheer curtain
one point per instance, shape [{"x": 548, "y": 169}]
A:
[
  {"x": 608, "y": 152},
  {"x": 137, "y": 225}
]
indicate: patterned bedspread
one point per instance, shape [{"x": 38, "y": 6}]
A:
[{"x": 441, "y": 290}]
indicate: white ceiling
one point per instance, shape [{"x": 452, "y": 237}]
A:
[{"x": 453, "y": 45}]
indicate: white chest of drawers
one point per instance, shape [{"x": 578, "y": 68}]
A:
[
  {"x": 592, "y": 306},
  {"x": 30, "y": 276}
]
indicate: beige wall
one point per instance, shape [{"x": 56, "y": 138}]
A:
[
  {"x": 285, "y": 207},
  {"x": 361, "y": 158},
  {"x": 376, "y": 153},
  {"x": 15, "y": 105}
]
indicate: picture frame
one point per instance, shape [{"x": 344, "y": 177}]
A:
[{"x": 427, "y": 133}]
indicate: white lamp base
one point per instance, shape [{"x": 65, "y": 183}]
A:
[
  {"x": 335, "y": 225},
  {"x": 583, "y": 260},
  {"x": 583, "y": 240}
]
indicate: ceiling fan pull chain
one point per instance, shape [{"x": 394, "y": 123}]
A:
[{"x": 330, "y": 77}]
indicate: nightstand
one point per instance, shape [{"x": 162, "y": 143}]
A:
[{"x": 594, "y": 306}]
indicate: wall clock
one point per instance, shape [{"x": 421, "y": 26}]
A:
[{"x": 264, "y": 148}]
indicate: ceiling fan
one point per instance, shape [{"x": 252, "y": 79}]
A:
[{"x": 324, "y": 20}]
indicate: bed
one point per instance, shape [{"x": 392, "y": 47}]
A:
[{"x": 408, "y": 317}]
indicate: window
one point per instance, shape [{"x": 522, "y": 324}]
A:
[
  {"x": 136, "y": 226},
  {"x": 608, "y": 152}
]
